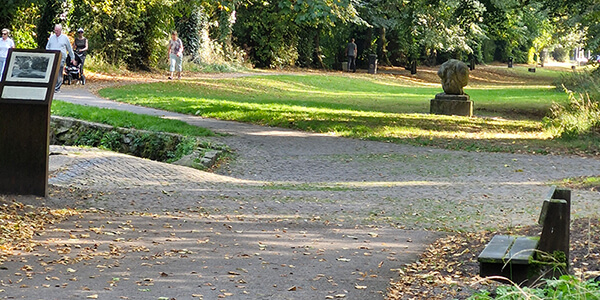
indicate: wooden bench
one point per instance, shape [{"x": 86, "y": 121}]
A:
[{"x": 523, "y": 260}]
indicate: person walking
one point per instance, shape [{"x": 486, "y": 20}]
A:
[
  {"x": 175, "y": 50},
  {"x": 5, "y": 44},
  {"x": 59, "y": 41},
  {"x": 80, "y": 45},
  {"x": 351, "y": 52}
]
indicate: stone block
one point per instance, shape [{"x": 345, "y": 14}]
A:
[{"x": 451, "y": 107}]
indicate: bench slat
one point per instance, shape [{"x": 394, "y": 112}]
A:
[
  {"x": 497, "y": 248},
  {"x": 522, "y": 250}
]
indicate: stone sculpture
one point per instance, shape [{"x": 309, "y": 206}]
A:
[
  {"x": 455, "y": 76},
  {"x": 453, "y": 101}
]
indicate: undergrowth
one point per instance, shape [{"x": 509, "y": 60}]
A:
[{"x": 565, "y": 288}]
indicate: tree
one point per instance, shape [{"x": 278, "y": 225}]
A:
[
  {"x": 126, "y": 32},
  {"x": 9, "y": 10},
  {"x": 320, "y": 16},
  {"x": 51, "y": 11},
  {"x": 578, "y": 15},
  {"x": 270, "y": 36}
]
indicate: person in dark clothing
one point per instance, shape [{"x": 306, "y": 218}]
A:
[
  {"x": 80, "y": 45},
  {"x": 351, "y": 53}
]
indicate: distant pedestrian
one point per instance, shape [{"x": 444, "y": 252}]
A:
[
  {"x": 351, "y": 52},
  {"x": 80, "y": 45},
  {"x": 5, "y": 44},
  {"x": 175, "y": 55},
  {"x": 59, "y": 41}
]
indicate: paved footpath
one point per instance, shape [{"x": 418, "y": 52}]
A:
[{"x": 295, "y": 216}]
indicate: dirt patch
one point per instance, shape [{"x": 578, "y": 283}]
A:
[
  {"x": 449, "y": 268},
  {"x": 483, "y": 75},
  {"x": 494, "y": 74}
]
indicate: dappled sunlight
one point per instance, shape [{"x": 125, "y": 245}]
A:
[
  {"x": 359, "y": 106},
  {"x": 275, "y": 132},
  {"x": 509, "y": 87},
  {"x": 360, "y": 185}
]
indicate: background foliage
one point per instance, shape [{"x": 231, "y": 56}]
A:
[{"x": 314, "y": 33}]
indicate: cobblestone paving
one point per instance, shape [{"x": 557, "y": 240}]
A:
[
  {"x": 294, "y": 216},
  {"x": 410, "y": 187}
]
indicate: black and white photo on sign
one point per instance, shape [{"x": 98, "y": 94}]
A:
[{"x": 30, "y": 67}]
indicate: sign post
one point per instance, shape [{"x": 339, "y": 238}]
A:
[{"x": 26, "y": 94}]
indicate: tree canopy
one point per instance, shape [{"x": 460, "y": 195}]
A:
[{"x": 313, "y": 33}]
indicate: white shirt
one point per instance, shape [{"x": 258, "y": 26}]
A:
[
  {"x": 61, "y": 43},
  {"x": 5, "y": 45}
]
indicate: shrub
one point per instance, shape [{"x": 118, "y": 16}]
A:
[
  {"x": 566, "y": 287},
  {"x": 579, "y": 117},
  {"x": 582, "y": 82},
  {"x": 560, "y": 54}
]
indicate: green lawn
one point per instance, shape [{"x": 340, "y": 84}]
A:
[
  {"x": 377, "y": 108},
  {"x": 119, "y": 118},
  {"x": 295, "y": 92}
]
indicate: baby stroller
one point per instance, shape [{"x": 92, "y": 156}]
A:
[{"x": 72, "y": 72}]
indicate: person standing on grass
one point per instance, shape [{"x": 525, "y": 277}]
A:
[
  {"x": 59, "y": 41},
  {"x": 5, "y": 44},
  {"x": 351, "y": 52},
  {"x": 175, "y": 55}
]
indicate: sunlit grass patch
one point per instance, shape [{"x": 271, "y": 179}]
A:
[
  {"x": 590, "y": 183},
  {"x": 125, "y": 119},
  {"x": 376, "y": 108}
]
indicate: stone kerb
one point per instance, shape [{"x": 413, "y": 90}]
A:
[{"x": 160, "y": 146}]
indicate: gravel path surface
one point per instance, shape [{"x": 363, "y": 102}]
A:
[{"x": 365, "y": 181}]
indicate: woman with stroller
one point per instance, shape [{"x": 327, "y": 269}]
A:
[
  {"x": 5, "y": 44},
  {"x": 80, "y": 45}
]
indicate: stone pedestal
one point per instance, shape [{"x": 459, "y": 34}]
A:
[{"x": 457, "y": 105}]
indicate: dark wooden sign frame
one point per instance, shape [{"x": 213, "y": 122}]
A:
[{"x": 26, "y": 93}]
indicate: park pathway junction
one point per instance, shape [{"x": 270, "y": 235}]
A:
[{"x": 294, "y": 215}]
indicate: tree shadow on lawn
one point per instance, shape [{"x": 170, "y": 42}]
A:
[{"x": 449, "y": 132}]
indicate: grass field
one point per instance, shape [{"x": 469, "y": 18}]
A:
[
  {"x": 125, "y": 119},
  {"x": 380, "y": 108}
]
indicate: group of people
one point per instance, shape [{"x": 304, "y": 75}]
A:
[{"x": 57, "y": 41}]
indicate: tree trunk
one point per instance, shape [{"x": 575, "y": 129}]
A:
[
  {"x": 383, "y": 53},
  {"x": 50, "y": 10},
  {"x": 318, "y": 55}
]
